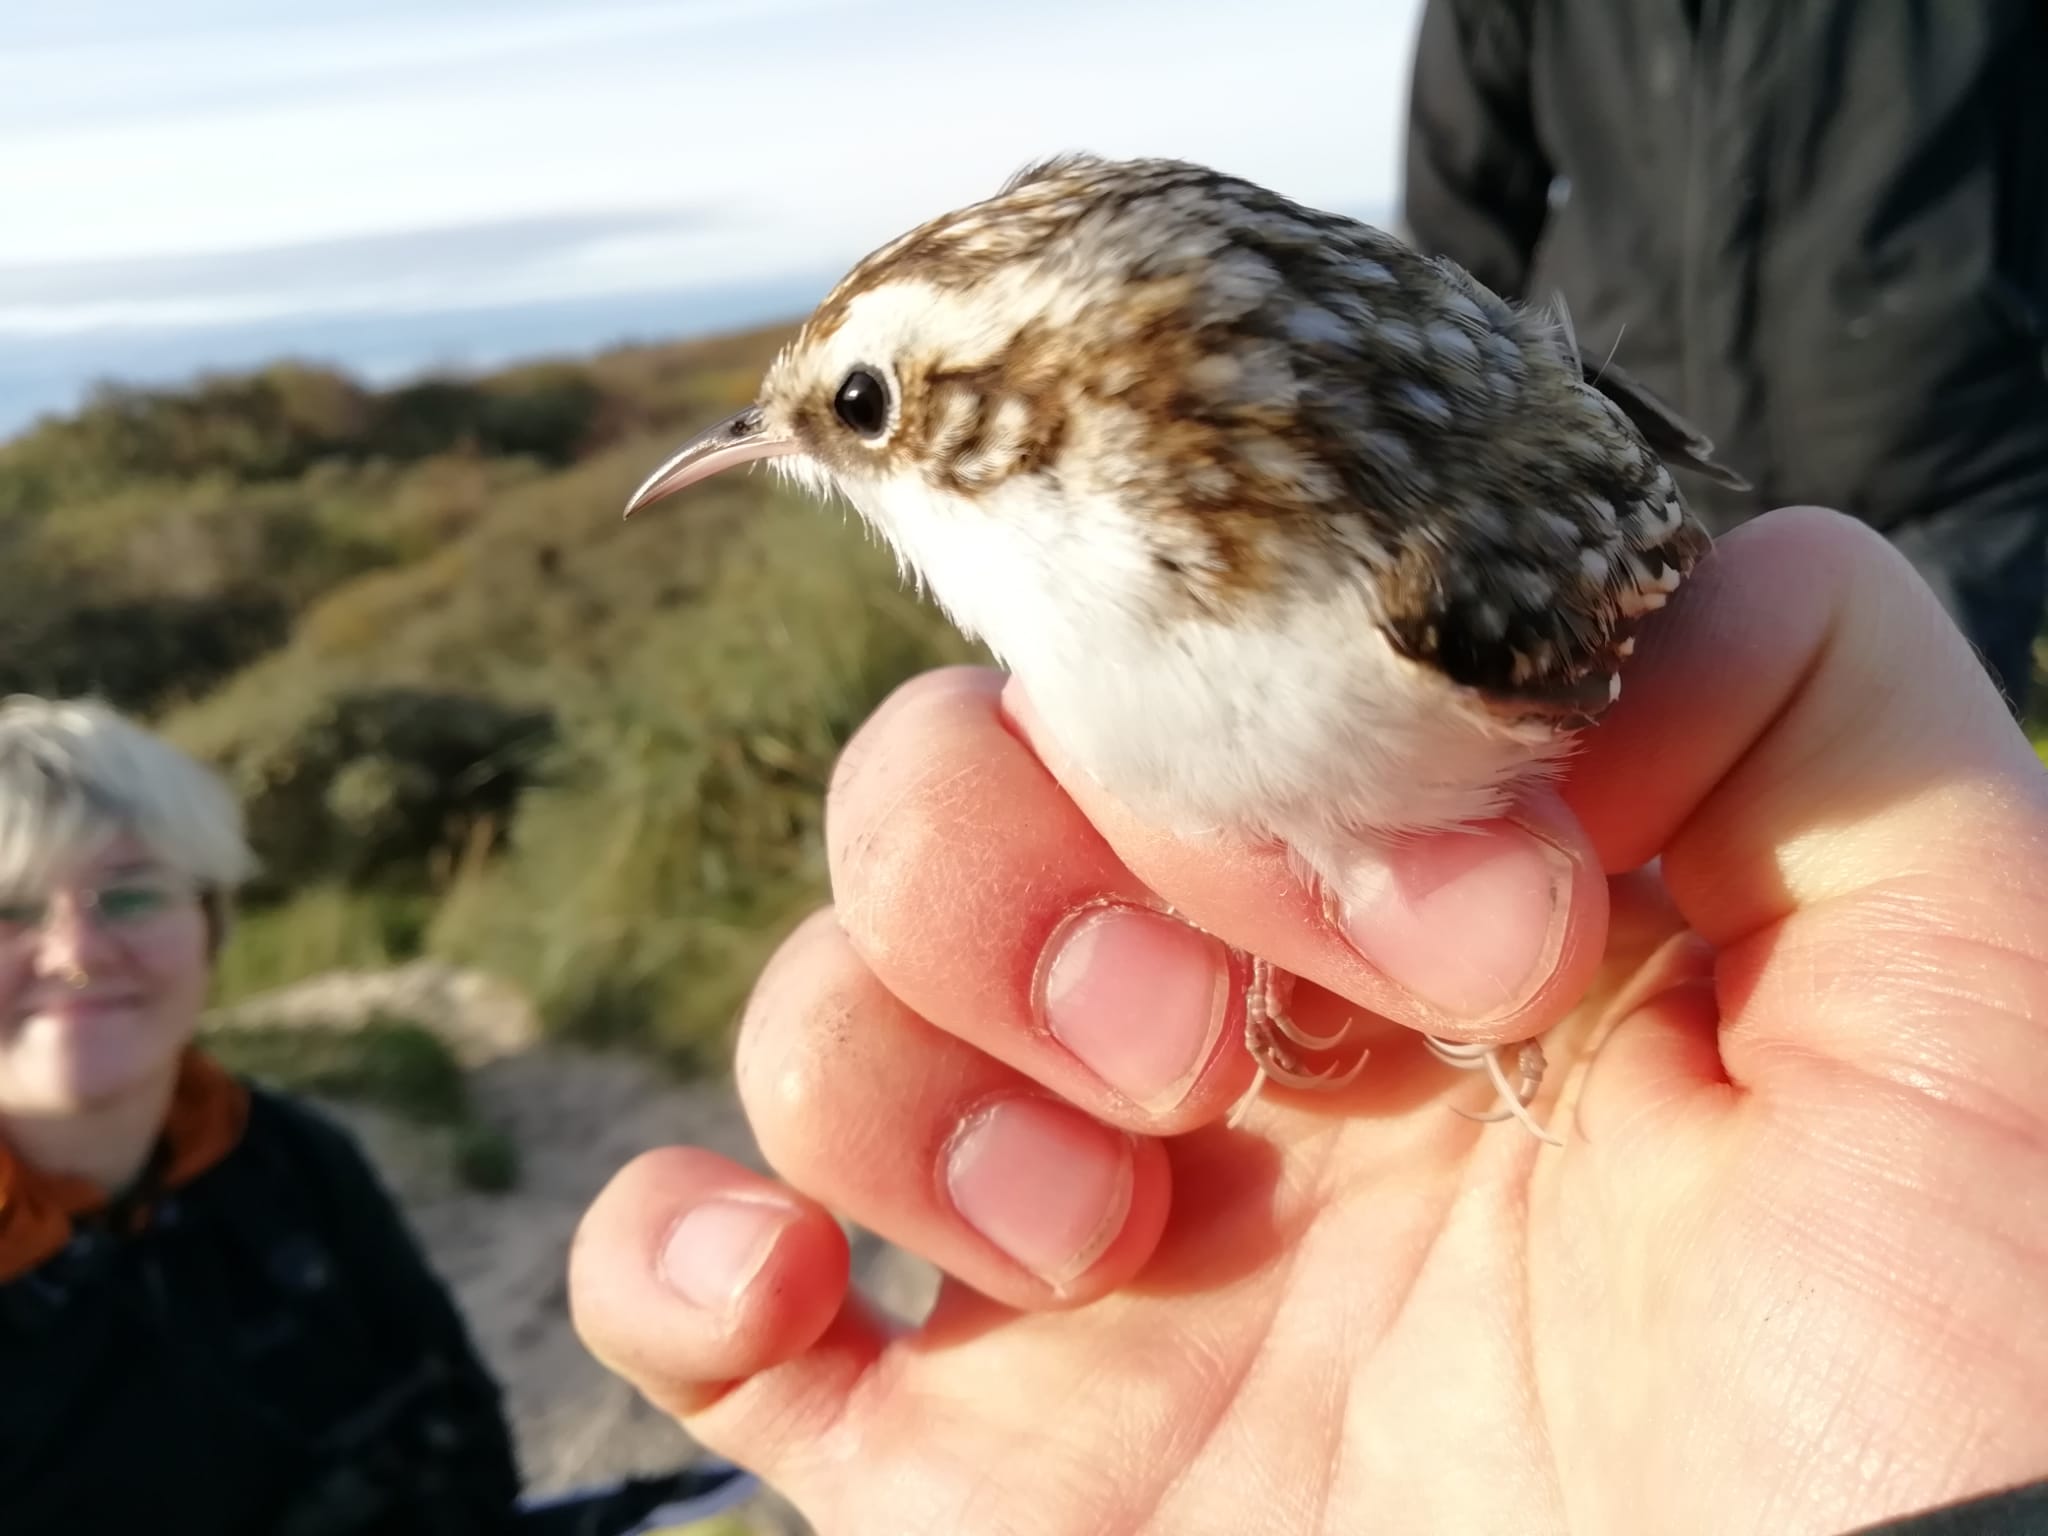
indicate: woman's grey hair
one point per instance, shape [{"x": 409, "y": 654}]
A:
[{"x": 74, "y": 773}]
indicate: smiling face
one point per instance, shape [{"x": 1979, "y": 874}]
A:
[{"x": 103, "y": 973}]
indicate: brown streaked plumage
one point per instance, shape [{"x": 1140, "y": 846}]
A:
[{"x": 1286, "y": 527}]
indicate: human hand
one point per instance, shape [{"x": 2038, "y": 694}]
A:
[{"x": 1789, "y": 1271}]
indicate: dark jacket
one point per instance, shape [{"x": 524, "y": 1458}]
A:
[
  {"x": 270, "y": 1354},
  {"x": 1818, "y": 228}
]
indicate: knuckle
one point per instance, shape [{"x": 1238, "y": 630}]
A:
[{"x": 797, "y": 1035}]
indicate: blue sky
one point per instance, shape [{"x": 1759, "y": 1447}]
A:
[{"x": 202, "y": 182}]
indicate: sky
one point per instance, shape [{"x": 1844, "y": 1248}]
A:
[{"x": 396, "y": 185}]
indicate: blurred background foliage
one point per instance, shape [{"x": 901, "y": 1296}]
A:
[{"x": 470, "y": 712}]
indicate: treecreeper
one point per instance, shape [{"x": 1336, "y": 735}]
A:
[{"x": 1288, "y": 530}]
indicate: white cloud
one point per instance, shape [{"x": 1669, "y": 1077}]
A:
[
  {"x": 285, "y": 57},
  {"x": 809, "y": 129}
]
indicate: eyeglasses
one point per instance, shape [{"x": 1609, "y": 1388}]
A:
[{"x": 120, "y": 907}]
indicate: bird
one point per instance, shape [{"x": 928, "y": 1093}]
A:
[{"x": 1287, "y": 529}]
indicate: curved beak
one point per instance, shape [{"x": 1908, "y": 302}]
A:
[{"x": 739, "y": 439}]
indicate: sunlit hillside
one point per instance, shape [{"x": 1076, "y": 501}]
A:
[{"x": 471, "y": 712}]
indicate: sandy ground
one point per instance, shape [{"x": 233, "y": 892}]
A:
[{"x": 577, "y": 1118}]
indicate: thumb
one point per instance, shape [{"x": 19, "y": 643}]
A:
[{"x": 1844, "y": 812}]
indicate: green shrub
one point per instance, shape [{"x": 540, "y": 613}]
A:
[
  {"x": 392, "y": 1063},
  {"x": 279, "y": 422},
  {"x": 142, "y": 653},
  {"x": 316, "y": 930},
  {"x": 375, "y": 786},
  {"x": 547, "y": 413},
  {"x": 682, "y": 837},
  {"x": 267, "y": 425},
  {"x": 486, "y": 1159}
]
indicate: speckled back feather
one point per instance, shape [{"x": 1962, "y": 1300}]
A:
[{"x": 1228, "y": 361}]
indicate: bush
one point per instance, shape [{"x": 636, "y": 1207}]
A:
[
  {"x": 392, "y": 1063},
  {"x": 486, "y": 1159},
  {"x": 542, "y": 413},
  {"x": 280, "y": 422},
  {"x": 320, "y": 929},
  {"x": 682, "y": 836},
  {"x": 145, "y": 653},
  {"x": 153, "y": 594},
  {"x": 377, "y": 786},
  {"x": 267, "y": 425}
]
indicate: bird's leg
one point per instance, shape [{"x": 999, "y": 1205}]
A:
[
  {"x": 1270, "y": 986},
  {"x": 1273, "y": 1038},
  {"x": 1515, "y": 1097}
]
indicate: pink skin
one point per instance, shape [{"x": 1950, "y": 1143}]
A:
[
  {"x": 1788, "y": 1272},
  {"x": 93, "y": 1019}
]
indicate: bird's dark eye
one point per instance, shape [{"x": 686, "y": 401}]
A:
[{"x": 863, "y": 403}]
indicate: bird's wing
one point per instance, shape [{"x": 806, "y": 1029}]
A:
[
  {"x": 1543, "y": 620},
  {"x": 1674, "y": 439}
]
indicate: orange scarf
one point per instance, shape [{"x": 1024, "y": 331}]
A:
[{"x": 209, "y": 1109}]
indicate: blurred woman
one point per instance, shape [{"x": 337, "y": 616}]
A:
[{"x": 212, "y": 1316}]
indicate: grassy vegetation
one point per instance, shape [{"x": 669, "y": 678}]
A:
[
  {"x": 322, "y": 927},
  {"x": 472, "y": 713},
  {"x": 391, "y": 1063}
]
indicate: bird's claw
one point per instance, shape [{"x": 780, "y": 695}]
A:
[
  {"x": 1529, "y": 1069},
  {"x": 1274, "y": 1040},
  {"x": 1275, "y": 1043}
]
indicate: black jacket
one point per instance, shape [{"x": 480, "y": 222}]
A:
[
  {"x": 1818, "y": 228},
  {"x": 270, "y": 1355}
]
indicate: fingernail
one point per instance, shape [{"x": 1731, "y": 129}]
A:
[
  {"x": 1469, "y": 923},
  {"x": 1138, "y": 997},
  {"x": 718, "y": 1247},
  {"x": 1043, "y": 1182}
]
